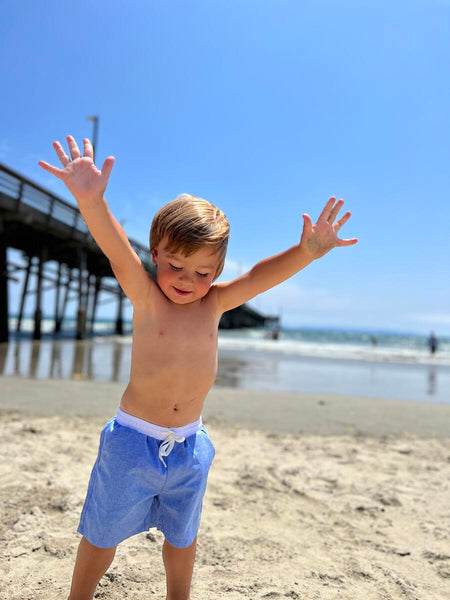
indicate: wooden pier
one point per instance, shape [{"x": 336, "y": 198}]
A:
[{"x": 46, "y": 228}]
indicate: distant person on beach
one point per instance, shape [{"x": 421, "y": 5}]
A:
[
  {"x": 432, "y": 343},
  {"x": 276, "y": 333},
  {"x": 154, "y": 454},
  {"x": 273, "y": 334}
]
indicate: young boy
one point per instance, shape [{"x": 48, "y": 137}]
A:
[{"x": 155, "y": 454}]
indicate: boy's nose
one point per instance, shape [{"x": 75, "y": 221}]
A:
[{"x": 185, "y": 277}]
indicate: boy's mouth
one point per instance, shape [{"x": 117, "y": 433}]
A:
[{"x": 181, "y": 292}]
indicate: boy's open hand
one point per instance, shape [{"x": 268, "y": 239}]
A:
[
  {"x": 320, "y": 238},
  {"x": 80, "y": 174}
]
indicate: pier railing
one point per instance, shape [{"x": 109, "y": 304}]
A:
[{"x": 17, "y": 192}]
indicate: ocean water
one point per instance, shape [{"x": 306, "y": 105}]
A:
[
  {"x": 368, "y": 364},
  {"x": 334, "y": 344},
  {"x": 321, "y": 343}
]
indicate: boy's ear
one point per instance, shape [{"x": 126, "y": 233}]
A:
[{"x": 155, "y": 256}]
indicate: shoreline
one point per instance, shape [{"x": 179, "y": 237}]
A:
[
  {"x": 277, "y": 412},
  {"x": 110, "y": 361}
]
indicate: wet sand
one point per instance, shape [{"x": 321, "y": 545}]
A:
[
  {"x": 109, "y": 360},
  {"x": 314, "y": 497},
  {"x": 321, "y": 414}
]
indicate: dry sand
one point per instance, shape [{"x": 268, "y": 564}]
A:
[{"x": 356, "y": 506}]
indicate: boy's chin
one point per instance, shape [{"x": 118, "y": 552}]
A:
[{"x": 183, "y": 300}]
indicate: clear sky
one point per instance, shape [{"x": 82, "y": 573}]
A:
[{"x": 266, "y": 108}]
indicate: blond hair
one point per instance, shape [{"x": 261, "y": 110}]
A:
[{"x": 191, "y": 223}]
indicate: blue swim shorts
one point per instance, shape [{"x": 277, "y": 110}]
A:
[{"x": 147, "y": 476}]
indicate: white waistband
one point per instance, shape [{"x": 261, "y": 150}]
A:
[
  {"x": 156, "y": 431},
  {"x": 170, "y": 435}
]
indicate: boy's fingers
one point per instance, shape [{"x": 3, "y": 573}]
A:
[
  {"x": 65, "y": 160},
  {"x": 88, "y": 149},
  {"x": 307, "y": 223},
  {"x": 342, "y": 221},
  {"x": 74, "y": 151},
  {"x": 347, "y": 242},
  {"x": 334, "y": 212},
  {"x": 327, "y": 209},
  {"x": 53, "y": 170},
  {"x": 107, "y": 166}
]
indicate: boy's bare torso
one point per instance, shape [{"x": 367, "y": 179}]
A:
[{"x": 174, "y": 359}]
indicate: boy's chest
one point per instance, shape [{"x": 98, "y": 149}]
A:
[
  {"x": 183, "y": 334},
  {"x": 170, "y": 335}
]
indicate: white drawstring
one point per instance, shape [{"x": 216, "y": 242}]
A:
[
  {"x": 167, "y": 446},
  {"x": 168, "y": 435}
]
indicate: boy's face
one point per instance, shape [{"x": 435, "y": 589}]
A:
[{"x": 184, "y": 279}]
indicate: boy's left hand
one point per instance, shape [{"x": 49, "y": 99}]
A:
[{"x": 320, "y": 238}]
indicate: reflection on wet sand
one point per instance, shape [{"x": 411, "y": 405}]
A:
[
  {"x": 238, "y": 372},
  {"x": 108, "y": 359},
  {"x": 432, "y": 380},
  {"x": 66, "y": 359}
]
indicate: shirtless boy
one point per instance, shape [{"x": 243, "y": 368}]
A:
[{"x": 155, "y": 454}]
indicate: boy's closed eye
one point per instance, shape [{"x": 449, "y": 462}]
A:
[
  {"x": 175, "y": 268},
  {"x": 179, "y": 269}
]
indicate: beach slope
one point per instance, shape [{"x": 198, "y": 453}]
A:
[{"x": 334, "y": 500}]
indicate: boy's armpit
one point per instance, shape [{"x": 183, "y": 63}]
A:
[{"x": 231, "y": 294}]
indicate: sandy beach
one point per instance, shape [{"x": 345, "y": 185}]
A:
[{"x": 309, "y": 496}]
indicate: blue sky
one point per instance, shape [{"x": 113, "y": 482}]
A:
[{"x": 266, "y": 108}]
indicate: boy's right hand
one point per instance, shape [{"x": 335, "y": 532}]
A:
[{"x": 80, "y": 174}]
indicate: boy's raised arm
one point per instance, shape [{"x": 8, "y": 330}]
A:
[
  {"x": 315, "y": 242},
  {"x": 88, "y": 185}
]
